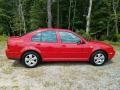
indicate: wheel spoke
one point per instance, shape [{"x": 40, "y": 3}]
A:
[
  {"x": 99, "y": 58},
  {"x": 102, "y": 57},
  {"x": 99, "y": 55},
  {"x": 34, "y": 62},
  {"x": 30, "y": 55},
  {"x": 95, "y": 57},
  {"x": 34, "y": 58},
  {"x": 26, "y": 59},
  {"x": 31, "y": 60}
]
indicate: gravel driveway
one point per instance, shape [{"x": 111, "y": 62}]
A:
[{"x": 59, "y": 76}]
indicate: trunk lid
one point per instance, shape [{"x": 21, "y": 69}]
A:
[{"x": 13, "y": 40}]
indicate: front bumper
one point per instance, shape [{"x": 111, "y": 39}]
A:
[{"x": 111, "y": 54}]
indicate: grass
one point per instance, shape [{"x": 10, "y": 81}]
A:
[
  {"x": 49, "y": 83},
  {"x": 34, "y": 73},
  {"x": 7, "y": 70},
  {"x": 113, "y": 43},
  {"x": 3, "y": 38},
  {"x": 15, "y": 88},
  {"x": 3, "y": 88}
]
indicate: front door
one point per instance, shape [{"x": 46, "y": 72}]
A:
[{"x": 70, "y": 47}]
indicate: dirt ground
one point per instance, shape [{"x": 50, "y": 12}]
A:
[{"x": 59, "y": 76}]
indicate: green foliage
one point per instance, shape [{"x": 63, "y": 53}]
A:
[
  {"x": 3, "y": 38},
  {"x": 38, "y": 14},
  {"x": 113, "y": 43},
  {"x": 87, "y": 36},
  {"x": 114, "y": 37},
  {"x": 84, "y": 34},
  {"x": 103, "y": 37},
  {"x": 35, "y": 14}
]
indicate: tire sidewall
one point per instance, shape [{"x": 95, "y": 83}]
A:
[
  {"x": 27, "y": 53},
  {"x": 93, "y": 55}
]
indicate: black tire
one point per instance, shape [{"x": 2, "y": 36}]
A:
[
  {"x": 36, "y": 60},
  {"x": 96, "y": 61}
]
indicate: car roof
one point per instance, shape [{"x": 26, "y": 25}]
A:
[
  {"x": 54, "y": 29},
  {"x": 45, "y": 29}
]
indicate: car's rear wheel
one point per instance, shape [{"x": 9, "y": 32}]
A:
[
  {"x": 98, "y": 58},
  {"x": 30, "y": 59}
]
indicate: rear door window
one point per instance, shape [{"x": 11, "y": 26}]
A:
[{"x": 45, "y": 36}]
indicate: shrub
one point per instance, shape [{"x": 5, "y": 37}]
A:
[
  {"x": 3, "y": 38},
  {"x": 114, "y": 37},
  {"x": 103, "y": 37},
  {"x": 84, "y": 34},
  {"x": 87, "y": 36}
]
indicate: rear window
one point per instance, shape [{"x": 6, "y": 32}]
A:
[{"x": 45, "y": 36}]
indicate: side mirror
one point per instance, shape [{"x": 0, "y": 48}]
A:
[{"x": 82, "y": 42}]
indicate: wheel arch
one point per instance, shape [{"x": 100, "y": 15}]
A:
[
  {"x": 98, "y": 50},
  {"x": 31, "y": 50}
]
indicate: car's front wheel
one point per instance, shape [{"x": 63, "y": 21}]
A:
[
  {"x": 30, "y": 59},
  {"x": 98, "y": 58}
]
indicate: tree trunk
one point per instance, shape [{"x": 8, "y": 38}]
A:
[
  {"x": 58, "y": 12},
  {"x": 115, "y": 6},
  {"x": 13, "y": 33},
  {"x": 74, "y": 15},
  {"x": 19, "y": 12},
  {"x": 88, "y": 17},
  {"x": 69, "y": 16},
  {"x": 22, "y": 18},
  {"x": 49, "y": 3},
  {"x": 108, "y": 28}
]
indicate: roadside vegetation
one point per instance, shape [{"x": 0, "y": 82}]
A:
[
  {"x": 3, "y": 38},
  {"x": 91, "y": 18}
]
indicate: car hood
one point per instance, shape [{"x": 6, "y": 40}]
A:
[{"x": 100, "y": 44}]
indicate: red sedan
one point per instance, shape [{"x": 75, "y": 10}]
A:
[{"x": 51, "y": 44}]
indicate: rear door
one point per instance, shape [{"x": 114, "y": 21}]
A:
[{"x": 47, "y": 43}]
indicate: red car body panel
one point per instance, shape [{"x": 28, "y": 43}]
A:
[{"x": 58, "y": 51}]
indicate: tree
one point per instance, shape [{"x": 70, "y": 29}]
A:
[
  {"x": 58, "y": 13},
  {"x": 74, "y": 15},
  {"x": 115, "y": 4},
  {"x": 22, "y": 16},
  {"x": 49, "y": 3},
  {"x": 69, "y": 15},
  {"x": 38, "y": 15},
  {"x": 101, "y": 20},
  {"x": 88, "y": 17}
]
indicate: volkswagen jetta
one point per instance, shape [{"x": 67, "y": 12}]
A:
[{"x": 50, "y": 44}]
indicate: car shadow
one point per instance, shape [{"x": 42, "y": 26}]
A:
[
  {"x": 109, "y": 62},
  {"x": 68, "y": 63},
  {"x": 17, "y": 63}
]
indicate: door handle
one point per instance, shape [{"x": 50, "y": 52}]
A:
[
  {"x": 39, "y": 44},
  {"x": 63, "y": 45}
]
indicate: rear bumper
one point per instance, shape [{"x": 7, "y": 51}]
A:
[{"x": 12, "y": 55}]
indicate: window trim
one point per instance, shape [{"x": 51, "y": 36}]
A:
[
  {"x": 41, "y": 36},
  {"x": 68, "y": 42},
  {"x": 33, "y": 36}
]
